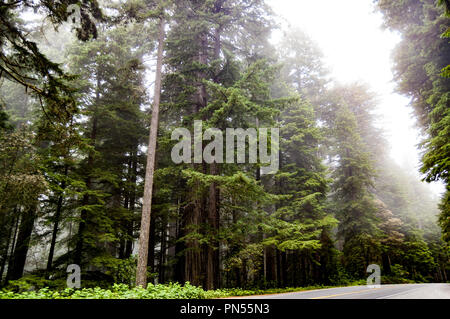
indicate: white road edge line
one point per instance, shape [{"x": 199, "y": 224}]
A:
[{"x": 399, "y": 293}]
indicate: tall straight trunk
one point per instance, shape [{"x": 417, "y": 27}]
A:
[
  {"x": 213, "y": 253},
  {"x": 132, "y": 204},
  {"x": 162, "y": 253},
  {"x": 303, "y": 269},
  {"x": 233, "y": 250},
  {"x": 5, "y": 256},
  {"x": 56, "y": 221},
  {"x": 78, "y": 254},
  {"x": 386, "y": 263},
  {"x": 126, "y": 205},
  {"x": 244, "y": 273},
  {"x": 283, "y": 262},
  {"x": 23, "y": 244},
  {"x": 141, "y": 272},
  {"x": 444, "y": 272},
  {"x": 151, "y": 246},
  {"x": 238, "y": 277},
  {"x": 180, "y": 245},
  {"x": 14, "y": 241},
  {"x": 278, "y": 263},
  {"x": 8, "y": 241},
  {"x": 123, "y": 241},
  {"x": 195, "y": 258},
  {"x": 3, "y": 263},
  {"x": 295, "y": 266},
  {"x": 212, "y": 271},
  {"x": 264, "y": 262}
]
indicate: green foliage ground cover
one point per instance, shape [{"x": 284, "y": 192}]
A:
[{"x": 166, "y": 291}]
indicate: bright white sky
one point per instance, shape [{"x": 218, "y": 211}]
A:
[{"x": 356, "y": 48}]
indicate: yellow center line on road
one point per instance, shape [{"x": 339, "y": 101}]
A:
[{"x": 347, "y": 293}]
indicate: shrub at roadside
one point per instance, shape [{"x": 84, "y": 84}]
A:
[{"x": 122, "y": 291}]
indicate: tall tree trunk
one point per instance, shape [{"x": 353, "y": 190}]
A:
[
  {"x": 22, "y": 246},
  {"x": 56, "y": 221},
  {"x": 180, "y": 245},
  {"x": 162, "y": 253},
  {"x": 213, "y": 253},
  {"x": 8, "y": 241},
  {"x": 193, "y": 261},
  {"x": 151, "y": 246},
  {"x": 141, "y": 272},
  {"x": 278, "y": 262},
  {"x": 124, "y": 224},
  {"x": 132, "y": 205},
  {"x": 78, "y": 254},
  {"x": 126, "y": 205},
  {"x": 283, "y": 263},
  {"x": 14, "y": 242},
  {"x": 212, "y": 272},
  {"x": 195, "y": 212}
]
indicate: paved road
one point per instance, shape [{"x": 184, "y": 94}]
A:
[{"x": 418, "y": 291}]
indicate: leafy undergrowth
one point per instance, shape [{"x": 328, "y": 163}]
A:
[{"x": 121, "y": 291}]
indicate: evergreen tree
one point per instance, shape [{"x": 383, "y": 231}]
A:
[
  {"x": 419, "y": 61},
  {"x": 111, "y": 76},
  {"x": 301, "y": 225},
  {"x": 355, "y": 208}
]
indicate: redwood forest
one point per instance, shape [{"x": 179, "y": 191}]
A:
[{"x": 115, "y": 181}]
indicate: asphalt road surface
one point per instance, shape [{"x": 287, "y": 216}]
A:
[{"x": 417, "y": 291}]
